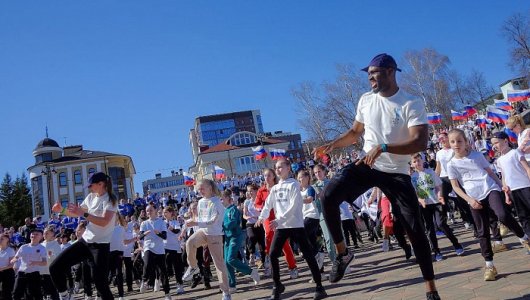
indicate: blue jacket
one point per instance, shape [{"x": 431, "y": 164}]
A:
[{"x": 232, "y": 222}]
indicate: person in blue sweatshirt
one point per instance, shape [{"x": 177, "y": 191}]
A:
[{"x": 233, "y": 241}]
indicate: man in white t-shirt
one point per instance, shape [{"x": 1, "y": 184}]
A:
[{"x": 394, "y": 126}]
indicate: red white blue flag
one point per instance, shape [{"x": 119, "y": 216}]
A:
[
  {"x": 277, "y": 154},
  {"x": 259, "y": 152},
  {"x": 505, "y": 105},
  {"x": 496, "y": 114},
  {"x": 457, "y": 116},
  {"x": 518, "y": 95},
  {"x": 434, "y": 118},
  {"x": 188, "y": 179},
  {"x": 512, "y": 136},
  {"x": 219, "y": 172},
  {"x": 470, "y": 110}
]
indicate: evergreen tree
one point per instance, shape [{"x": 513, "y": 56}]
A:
[{"x": 15, "y": 201}]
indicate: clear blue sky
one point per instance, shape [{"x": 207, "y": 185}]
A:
[{"x": 130, "y": 76}]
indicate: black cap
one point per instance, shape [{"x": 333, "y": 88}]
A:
[
  {"x": 500, "y": 135},
  {"x": 97, "y": 177},
  {"x": 382, "y": 60},
  {"x": 36, "y": 229}
]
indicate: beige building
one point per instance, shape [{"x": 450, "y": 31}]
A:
[{"x": 61, "y": 174}]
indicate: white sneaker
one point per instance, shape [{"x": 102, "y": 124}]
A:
[
  {"x": 320, "y": 259},
  {"x": 167, "y": 297},
  {"x": 226, "y": 297},
  {"x": 143, "y": 287},
  {"x": 386, "y": 245},
  {"x": 87, "y": 297},
  {"x": 120, "y": 298},
  {"x": 466, "y": 225},
  {"x": 157, "y": 286},
  {"x": 66, "y": 296},
  {"x": 255, "y": 276},
  {"x": 252, "y": 261},
  {"x": 180, "y": 289},
  {"x": 293, "y": 273},
  {"x": 189, "y": 273}
]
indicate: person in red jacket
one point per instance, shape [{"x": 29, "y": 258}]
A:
[{"x": 263, "y": 192}]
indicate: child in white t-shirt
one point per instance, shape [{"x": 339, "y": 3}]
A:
[
  {"x": 32, "y": 258},
  {"x": 470, "y": 170}
]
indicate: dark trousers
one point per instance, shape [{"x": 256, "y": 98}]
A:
[
  {"x": 311, "y": 227},
  {"x": 7, "y": 280},
  {"x": 353, "y": 180},
  {"x": 174, "y": 263},
  {"x": 154, "y": 262},
  {"x": 127, "y": 261},
  {"x": 116, "y": 269},
  {"x": 97, "y": 257},
  {"x": 460, "y": 204},
  {"x": 493, "y": 204},
  {"x": 298, "y": 235},
  {"x": 521, "y": 200},
  {"x": 27, "y": 284},
  {"x": 350, "y": 229},
  {"x": 256, "y": 235},
  {"x": 48, "y": 287},
  {"x": 82, "y": 272},
  {"x": 433, "y": 214}
]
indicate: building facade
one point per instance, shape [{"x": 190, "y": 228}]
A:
[
  {"x": 61, "y": 174},
  {"x": 173, "y": 185}
]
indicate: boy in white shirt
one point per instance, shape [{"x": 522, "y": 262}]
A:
[{"x": 53, "y": 249}]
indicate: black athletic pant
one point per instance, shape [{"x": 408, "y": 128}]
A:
[
  {"x": 83, "y": 272},
  {"x": 116, "y": 269},
  {"x": 298, "y": 235},
  {"x": 174, "y": 263},
  {"x": 29, "y": 282},
  {"x": 256, "y": 235},
  {"x": 434, "y": 213},
  {"x": 521, "y": 200},
  {"x": 97, "y": 257},
  {"x": 48, "y": 288},
  {"x": 154, "y": 261},
  {"x": 350, "y": 229},
  {"x": 127, "y": 261},
  {"x": 461, "y": 204},
  {"x": 311, "y": 227},
  {"x": 7, "y": 280},
  {"x": 492, "y": 204},
  {"x": 353, "y": 180}
]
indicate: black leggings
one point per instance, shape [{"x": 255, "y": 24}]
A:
[
  {"x": 460, "y": 204},
  {"x": 311, "y": 227},
  {"x": 27, "y": 284},
  {"x": 432, "y": 213},
  {"x": 353, "y": 180},
  {"x": 48, "y": 288},
  {"x": 7, "y": 280},
  {"x": 298, "y": 235},
  {"x": 127, "y": 261},
  {"x": 154, "y": 261},
  {"x": 116, "y": 269},
  {"x": 98, "y": 260},
  {"x": 256, "y": 235},
  {"x": 493, "y": 204},
  {"x": 521, "y": 200},
  {"x": 174, "y": 263},
  {"x": 350, "y": 229},
  {"x": 82, "y": 272}
]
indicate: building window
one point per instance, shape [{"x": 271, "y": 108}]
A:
[
  {"x": 38, "y": 195},
  {"x": 246, "y": 164},
  {"x": 91, "y": 171},
  {"x": 64, "y": 202},
  {"x": 118, "y": 182},
  {"x": 62, "y": 179},
  {"x": 44, "y": 157},
  {"x": 77, "y": 177}
]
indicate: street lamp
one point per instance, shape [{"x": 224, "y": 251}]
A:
[{"x": 48, "y": 171}]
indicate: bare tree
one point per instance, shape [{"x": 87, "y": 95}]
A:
[
  {"x": 516, "y": 31},
  {"x": 480, "y": 89}
]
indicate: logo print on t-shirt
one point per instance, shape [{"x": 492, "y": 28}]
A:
[{"x": 397, "y": 116}]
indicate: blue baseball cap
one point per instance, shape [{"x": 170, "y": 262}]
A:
[{"x": 382, "y": 60}]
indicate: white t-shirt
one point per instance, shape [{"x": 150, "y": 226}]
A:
[
  {"x": 387, "y": 121},
  {"x": 345, "y": 212},
  {"x": 97, "y": 206},
  {"x": 128, "y": 248},
  {"x": 116, "y": 241},
  {"x": 172, "y": 242},
  {"x": 153, "y": 242},
  {"x": 514, "y": 174},
  {"x": 443, "y": 156},
  {"x": 520, "y": 139},
  {"x": 53, "y": 249},
  {"x": 5, "y": 256},
  {"x": 425, "y": 183},
  {"x": 27, "y": 254},
  {"x": 472, "y": 176},
  {"x": 252, "y": 212},
  {"x": 309, "y": 209}
]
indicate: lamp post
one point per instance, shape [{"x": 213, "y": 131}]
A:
[{"x": 48, "y": 171}]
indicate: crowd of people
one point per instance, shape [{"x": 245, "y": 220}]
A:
[{"x": 322, "y": 207}]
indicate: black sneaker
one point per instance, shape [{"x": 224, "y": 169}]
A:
[
  {"x": 277, "y": 292},
  {"x": 339, "y": 266},
  {"x": 196, "y": 280},
  {"x": 408, "y": 252},
  {"x": 320, "y": 293},
  {"x": 433, "y": 296}
]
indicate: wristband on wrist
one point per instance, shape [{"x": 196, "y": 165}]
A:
[
  {"x": 85, "y": 215},
  {"x": 384, "y": 147}
]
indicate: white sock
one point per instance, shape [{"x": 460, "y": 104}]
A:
[
  {"x": 489, "y": 264},
  {"x": 499, "y": 243}
]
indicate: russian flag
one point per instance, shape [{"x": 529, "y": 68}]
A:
[
  {"x": 457, "y": 116},
  {"x": 434, "y": 118},
  {"x": 504, "y": 105},
  {"x": 219, "y": 172},
  {"x": 491, "y": 152},
  {"x": 518, "y": 95},
  {"x": 277, "y": 154},
  {"x": 481, "y": 121},
  {"x": 497, "y": 115},
  {"x": 470, "y": 110},
  {"x": 259, "y": 152},
  {"x": 188, "y": 179},
  {"x": 512, "y": 136}
]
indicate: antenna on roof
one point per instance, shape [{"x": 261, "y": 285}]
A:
[
  {"x": 46, "y": 129},
  {"x": 64, "y": 137}
]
